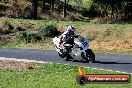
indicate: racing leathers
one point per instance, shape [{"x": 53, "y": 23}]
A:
[{"x": 67, "y": 38}]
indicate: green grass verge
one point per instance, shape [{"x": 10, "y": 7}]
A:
[{"x": 51, "y": 76}]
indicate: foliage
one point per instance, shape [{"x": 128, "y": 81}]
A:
[
  {"x": 5, "y": 27},
  {"x": 28, "y": 37},
  {"x": 4, "y": 39},
  {"x": 48, "y": 30},
  {"x": 79, "y": 2},
  {"x": 113, "y": 8},
  {"x": 43, "y": 32}
]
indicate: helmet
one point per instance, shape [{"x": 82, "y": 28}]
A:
[{"x": 71, "y": 28}]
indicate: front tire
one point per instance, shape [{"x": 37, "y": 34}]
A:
[{"x": 90, "y": 55}]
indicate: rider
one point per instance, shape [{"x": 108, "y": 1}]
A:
[{"x": 68, "y": 37}]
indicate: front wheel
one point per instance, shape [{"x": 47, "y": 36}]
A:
[{"x": 90, "y": 55}]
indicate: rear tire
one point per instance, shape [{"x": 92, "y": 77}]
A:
[
  {"x": 67, "y": 57},
  {"x": 90, "y": 55},
  {"x": 61, "y": 55}
]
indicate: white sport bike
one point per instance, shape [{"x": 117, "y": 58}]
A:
[{"x": 78, "y": 51}]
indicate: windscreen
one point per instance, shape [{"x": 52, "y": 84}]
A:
[{"x": 79, "y": 39}]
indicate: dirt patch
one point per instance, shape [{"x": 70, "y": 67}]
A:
[{"x": 15, "y": 65}]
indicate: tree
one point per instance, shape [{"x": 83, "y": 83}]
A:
[
  {"x": 52, "y": 4},
  {"x": 49, "y": 2},
  {"x": 34, "y": 9},
  {"x": 113, "y": 8},
  {"x": 43, "y": 5},
  {"x": 64, "y": 9},
  {"x": 79, "y": 2}
]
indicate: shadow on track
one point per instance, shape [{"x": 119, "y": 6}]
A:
[{"x": 100, "y": 62}]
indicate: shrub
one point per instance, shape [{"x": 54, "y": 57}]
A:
[
  {"x": 28, "y": 37},
  {"x": 4, "y": 39},
  {"x": 22, "y": 36},
  {"x": 31, "y": 37},
  {"x": 5, "y": 27},
  {"x": 47, "y": 31},
  {"x": 21, "y": 26}
]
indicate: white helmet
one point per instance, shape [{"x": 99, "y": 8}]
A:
[{"x": 70, "y": 28}]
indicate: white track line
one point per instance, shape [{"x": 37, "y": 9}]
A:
[
  {"x": 109, "y": 70},
  {"x": 26, "y": 60},
  {"x": 22, "y": 60}
]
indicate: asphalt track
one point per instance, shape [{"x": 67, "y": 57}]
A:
[{"x": 114, "y": 62}]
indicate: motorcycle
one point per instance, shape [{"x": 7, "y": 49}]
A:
[{"x": 79, "y": 51}]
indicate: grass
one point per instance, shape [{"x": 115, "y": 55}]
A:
[
  {"x": 108, "y": 37},
  {"x": 128, "y": 52},
  {"x": 78, "y": 24},
  {"x": 65, "y": 23},
  {"x": 51, "y": 76}
]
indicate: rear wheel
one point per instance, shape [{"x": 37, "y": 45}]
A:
[
  {"x": 67, "y": 57},
  {"x": 67, "y": 50},
  {"x": 90, "y": 55},
  {"x": 64, "y": 56},
  {"x": 61, "y": 55}
]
